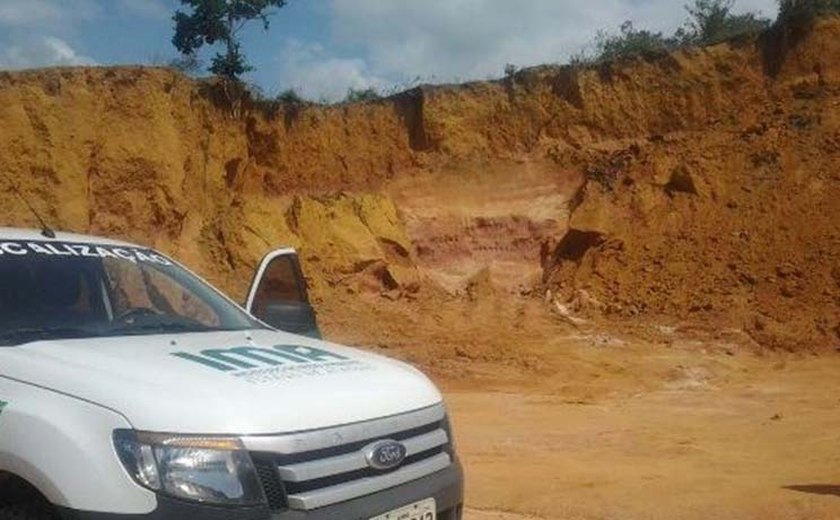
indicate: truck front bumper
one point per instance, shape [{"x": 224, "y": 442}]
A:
[{"x": 446, "y": 487}]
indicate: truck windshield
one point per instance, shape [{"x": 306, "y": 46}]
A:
[{"x": 60, "y": 290}]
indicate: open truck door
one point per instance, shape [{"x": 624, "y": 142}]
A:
[{"x": 278, "y": 295}]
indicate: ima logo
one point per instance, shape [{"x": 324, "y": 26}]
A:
[{"x": 247, "y": 358}]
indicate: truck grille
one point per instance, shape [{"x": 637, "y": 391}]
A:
[
  {"x": 275, "y": 492},
  {"x": 309, "y": 470}
]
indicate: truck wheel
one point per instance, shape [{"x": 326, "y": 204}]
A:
[{"x": 33, "y": 511}]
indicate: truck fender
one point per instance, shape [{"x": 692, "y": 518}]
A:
[{"x": 63, "y": 446}]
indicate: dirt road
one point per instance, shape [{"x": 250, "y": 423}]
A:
[
  {"x": 752, "y": 438},
  {"x": 652, "y": 420}
]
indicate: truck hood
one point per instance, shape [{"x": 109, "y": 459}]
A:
[{"x": 254, "y": 382}]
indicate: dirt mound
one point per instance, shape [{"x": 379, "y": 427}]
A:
[{"x": 736, "y": 224}]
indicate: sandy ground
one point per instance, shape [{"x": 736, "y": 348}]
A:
[
  {"x": 631, "y": 420},
  {"x": 750, "y": 438},
  {"x": 603, "y": 421}
]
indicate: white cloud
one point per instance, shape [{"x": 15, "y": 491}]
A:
[
  {"x": 64, "y": 14},
  {"x": 445, "y": 40},
  {"x": 315, "y": 74},
  {"x": 20, "y": 14},
  {"x": 465, "y": 38},
  {"x": 41, "y": 52},
  {"x": 38, "y": 33}
]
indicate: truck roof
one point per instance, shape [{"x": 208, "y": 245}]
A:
[{"x": 22, "y": 234}]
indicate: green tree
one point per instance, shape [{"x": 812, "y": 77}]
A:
[
  {"x": 709, "y": 22},
  {"x": 358, "y": 95},
  {"x": 797, "y": 12},
  {"x": 290, "y": 96},
  {"x": 211, "y": 22},
  {"x": 188, "y": 64},
  {"x": 630, "y": 42},
  {"x": 712, "y": 21}
]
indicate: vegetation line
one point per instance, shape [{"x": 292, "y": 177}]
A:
[{"x": 709, "y": 22}]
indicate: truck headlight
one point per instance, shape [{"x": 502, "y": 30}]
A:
[{"x": 215, "y": 470}]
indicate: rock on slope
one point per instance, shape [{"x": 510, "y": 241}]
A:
[{"x": 701, "y": 185}]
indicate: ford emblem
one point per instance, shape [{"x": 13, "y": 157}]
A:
[{"x": 386, "y": 454}]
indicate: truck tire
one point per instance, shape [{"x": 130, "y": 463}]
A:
[{"x": 31, "y": 511}]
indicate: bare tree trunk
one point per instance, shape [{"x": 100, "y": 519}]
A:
[{"x": 234, "y": 98}]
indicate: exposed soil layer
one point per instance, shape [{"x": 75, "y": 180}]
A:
[
  {"x": 700, "y": 186},
  {"x": 737, "y": 224},
  {"x": 494, "y": 215}
]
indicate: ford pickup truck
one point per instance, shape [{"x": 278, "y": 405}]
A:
[{"x": 132, "y": 389}]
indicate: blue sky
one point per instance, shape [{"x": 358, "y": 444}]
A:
[{"x": 323, "y": 47}]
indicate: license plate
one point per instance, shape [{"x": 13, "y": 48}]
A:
[{"x": 423, "y": 510}]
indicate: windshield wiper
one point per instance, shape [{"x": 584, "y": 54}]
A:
[
  {"x": 159, "y": 326},
  {"x": 14, "y": 337}
]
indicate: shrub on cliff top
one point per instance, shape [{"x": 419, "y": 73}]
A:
[
  {"x": 358, "y": 95},
  {"x": 712, "y": 21},
  {"x": 709, "y": 22},
  {"x": 290, "y": 96},
  {"x": 630, "y": 42},
  {"x": 803, "y": 12}
]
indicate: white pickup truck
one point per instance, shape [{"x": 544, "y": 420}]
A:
[{"x": 131, "y": 389}]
